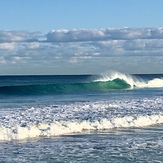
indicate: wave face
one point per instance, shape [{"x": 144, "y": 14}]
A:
[
  {"x": 64, "y": 88},
  {"x": 101, "y": 83}
]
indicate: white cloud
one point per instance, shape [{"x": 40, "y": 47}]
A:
[
  {"x": 33, "y": 45},
  {"x": 104, "y": 34},
  {"x": 19, "y": 36},
  {"x": 137, "y": 44},
  {"x": 7, "y": 46},
  {"x": 74, "y": 35},
  {"x": 121, "y": 49}
]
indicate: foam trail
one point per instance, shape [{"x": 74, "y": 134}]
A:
[
  {"x": 155, "y": 83},
  {"x": 76, "y": 117},
  {"x": 69, "y": 127}
]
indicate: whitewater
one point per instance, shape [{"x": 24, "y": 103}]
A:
[
  {"x": 75, "y": 118},
  {"x": 111, "y": 117}
]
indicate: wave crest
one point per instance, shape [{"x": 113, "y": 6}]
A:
[{"x": 132, "y": 80}]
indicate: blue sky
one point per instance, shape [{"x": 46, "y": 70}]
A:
[
  {"x": 45, "y": 15},
  {"x": 80, "y": 37}
]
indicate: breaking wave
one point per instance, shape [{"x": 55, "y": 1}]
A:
[
  {"x": 132, "y": 80},
  {"x": 103, "y": 83}
]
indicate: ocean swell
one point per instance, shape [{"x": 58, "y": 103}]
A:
[
  {"x": 102, "y": 83},
  {"x": 64, "y": 88}
]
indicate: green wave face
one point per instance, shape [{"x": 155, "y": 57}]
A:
[
  {"x": 64, "y": 88},
  {"x": 110, "y": 85}
]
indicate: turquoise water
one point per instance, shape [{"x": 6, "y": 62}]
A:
[{"x": 88, "y": 118}]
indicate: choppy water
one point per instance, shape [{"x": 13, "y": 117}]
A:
[{"x": 108, "y": 118}]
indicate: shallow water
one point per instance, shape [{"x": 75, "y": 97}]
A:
[{"x": 116, "y": 145}]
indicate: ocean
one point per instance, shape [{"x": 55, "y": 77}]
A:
[{"x": 112, "y": 117}]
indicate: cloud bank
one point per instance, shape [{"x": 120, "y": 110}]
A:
[
  {"x": 18, "y": 36},
  {"x": 104, "y": 34},
  {"x": 139, "y": 50}
]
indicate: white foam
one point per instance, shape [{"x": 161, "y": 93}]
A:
[
  {"x": 76, "y": 117},
  {"x": 69, "y": 127},
  {"x": 155, "y": 83}
]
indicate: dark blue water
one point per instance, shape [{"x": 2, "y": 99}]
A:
[{"x": 81, "y": 118}]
